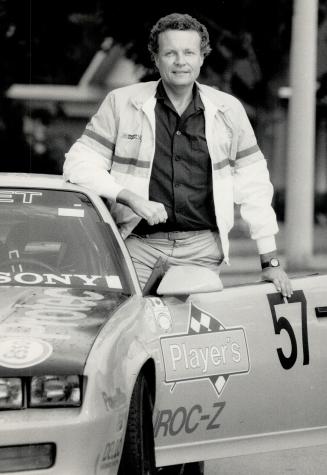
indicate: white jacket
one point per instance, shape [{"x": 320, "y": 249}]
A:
[{"x": 117, "y": 148}]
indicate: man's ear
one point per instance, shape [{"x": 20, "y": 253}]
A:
[{"x": 156, "y": 60}]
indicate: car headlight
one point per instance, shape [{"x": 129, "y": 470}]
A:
[
  {"x": 11, "y": 393},
  {"x": 55, "y": 391}
]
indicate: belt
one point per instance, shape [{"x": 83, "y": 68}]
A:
[{"x": 172, "y": 235}]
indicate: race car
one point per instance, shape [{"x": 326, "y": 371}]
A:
[{"x": 100, "y": 377}]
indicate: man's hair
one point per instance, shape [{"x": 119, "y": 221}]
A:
[{"x": 178, "y": 21}]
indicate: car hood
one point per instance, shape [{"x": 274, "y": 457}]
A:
[{"x": 50, "y": 330}]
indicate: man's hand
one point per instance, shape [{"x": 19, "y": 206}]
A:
[
  {"x": 279, "y": 278},
  {"x": 151, "y": 211}
]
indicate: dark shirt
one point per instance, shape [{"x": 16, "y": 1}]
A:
[{"x": 181, "y": 175}]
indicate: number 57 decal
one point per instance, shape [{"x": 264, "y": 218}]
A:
[{"x": 295, "y": 307}]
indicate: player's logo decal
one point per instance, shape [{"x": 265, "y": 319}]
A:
[{"x": 207, "y": 350}]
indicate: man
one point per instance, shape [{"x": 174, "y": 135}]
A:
[{"x": 179, "y": 155}]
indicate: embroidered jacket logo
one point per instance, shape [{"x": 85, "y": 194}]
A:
[{"x": 133, "y": 137}]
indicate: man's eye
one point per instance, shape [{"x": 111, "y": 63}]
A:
[{"x": 189, "y": 53}]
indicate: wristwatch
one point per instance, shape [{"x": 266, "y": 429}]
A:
[{"x": 273, "y": 262}]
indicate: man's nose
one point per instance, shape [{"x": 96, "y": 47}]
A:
[{"x": 180, "y": 58}]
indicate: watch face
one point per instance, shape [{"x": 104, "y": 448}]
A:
[{"x": 274, "y": 262}]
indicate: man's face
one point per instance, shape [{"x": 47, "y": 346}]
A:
[{"x": 179, "y": 57}]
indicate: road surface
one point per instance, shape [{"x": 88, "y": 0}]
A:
[{"x": 307, "y": 461}]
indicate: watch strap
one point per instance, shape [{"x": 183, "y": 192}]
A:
[{"x": 273, "y": 262}]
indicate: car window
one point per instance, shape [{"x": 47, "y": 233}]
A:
[{"x": 54, "y": 237}]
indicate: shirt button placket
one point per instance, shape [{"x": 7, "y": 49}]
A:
[{"x": 178, "y": 173}]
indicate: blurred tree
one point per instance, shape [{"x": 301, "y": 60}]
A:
[
  {"x": 51, "y": 42},
  {"x": 14, "y": 149},
  {"x": 44, "y": 42},
  {"x": 41, "y": 42}
]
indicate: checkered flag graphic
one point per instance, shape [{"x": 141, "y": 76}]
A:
[{"x": 202, "y": 322}]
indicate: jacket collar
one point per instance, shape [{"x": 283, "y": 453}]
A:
[
  {"x": 208, "y": 94},
  {"x": 147, "y": 92},
  {"x": 214, "y": 96}
]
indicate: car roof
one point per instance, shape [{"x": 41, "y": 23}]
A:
[{"x": 37, "y": 180}]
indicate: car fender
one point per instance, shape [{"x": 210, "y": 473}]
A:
[{"x": 118, "y": 355}]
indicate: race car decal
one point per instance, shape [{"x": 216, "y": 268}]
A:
[
  {"x": 114, "y": 401},
  {"x": 283, "y": 310},
  {"x": 23, "y": 352},
  {"x": 34, "y": 319},
  {"x": 72, "y": 212},
  {"x": 110, "y": 456},
  {"x": 55, "y": 310},
  {"x": 161, "y": 313},
  {"x": 207, "y": 350},
  {"x": 172, "y": 423},
  {"x": 12, "y": 196},
  {"x": 71, "y": 280},
  {"x": 19, "y": 329}
]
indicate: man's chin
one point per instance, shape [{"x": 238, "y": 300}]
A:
[{"x": 182, "y": 81}]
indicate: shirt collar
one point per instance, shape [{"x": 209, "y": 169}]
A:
[
  {"x": 197, "y": 98},
  {"x": 161, "y": 95}
]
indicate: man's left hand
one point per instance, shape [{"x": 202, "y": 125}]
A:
[{"x": 279, "y": 278}]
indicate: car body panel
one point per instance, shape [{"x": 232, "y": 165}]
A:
[
  {"x": 266, "y": 400},
  {"x": 89, "y": 439},
  {"x": 44, "y": 325},
  {"x": 235, "y": 371}
]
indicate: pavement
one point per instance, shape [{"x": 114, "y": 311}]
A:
[
  {"x": 301, "y": 461},
  {"x": 245, "y": 263}
]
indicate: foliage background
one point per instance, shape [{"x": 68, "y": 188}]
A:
[{"x": 47, "y": 42}]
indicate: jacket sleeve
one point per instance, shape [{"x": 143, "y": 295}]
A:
[
  {"x": 88, "y": 162},
  {"x": 253, "y": 190}
]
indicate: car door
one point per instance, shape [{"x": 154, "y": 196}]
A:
[{"x": 241, "y": 371}]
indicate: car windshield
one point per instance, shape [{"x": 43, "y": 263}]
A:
[{"x": 57, "y": 238}]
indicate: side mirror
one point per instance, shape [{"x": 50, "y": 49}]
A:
[{"x": 185, "y": 280}]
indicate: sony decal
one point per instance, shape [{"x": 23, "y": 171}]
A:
[{"x": 80, "y": 280}]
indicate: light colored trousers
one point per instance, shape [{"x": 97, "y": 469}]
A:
[{"x": 199, "y": 248}]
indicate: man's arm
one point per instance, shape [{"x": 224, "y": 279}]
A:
[
  {"x": 152, "y": 211},
  {"x": 87, "y": 167},
  {"x": 273, "y": 272},
  {"x": 254, "y": 191},
  {"x": 89, "y": 159}
]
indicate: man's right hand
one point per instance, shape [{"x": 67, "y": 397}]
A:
[{"x": 152, "y": 211}]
